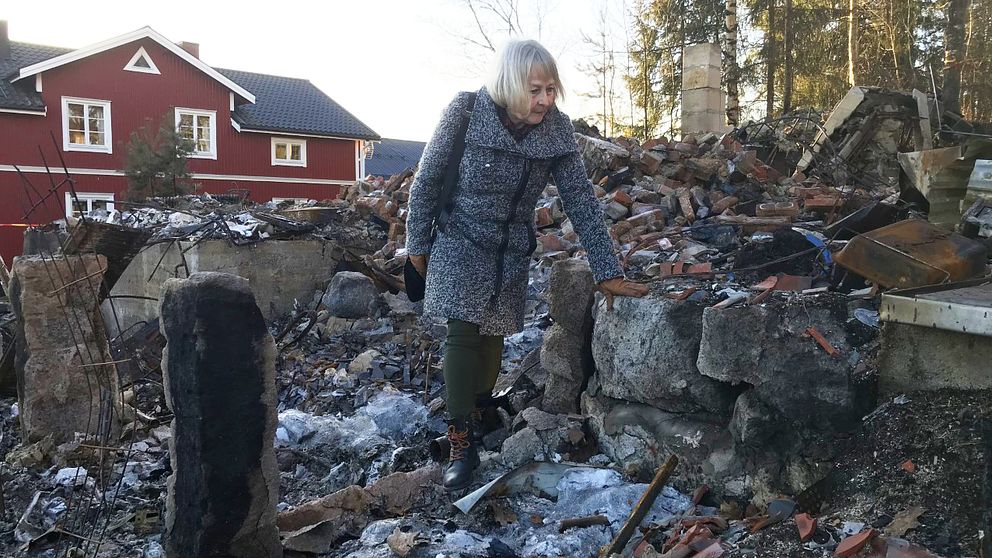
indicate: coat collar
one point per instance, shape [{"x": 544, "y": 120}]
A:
[{"x": 553, "y": 137}]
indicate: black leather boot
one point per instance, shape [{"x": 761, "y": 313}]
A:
[
  {"x": 476, "y": 427},
  {"x": 463, "y": 457},
  {"x": 483, "y": 404}
]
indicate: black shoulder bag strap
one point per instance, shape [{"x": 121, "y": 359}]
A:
[{"x": 443, "y": 211}]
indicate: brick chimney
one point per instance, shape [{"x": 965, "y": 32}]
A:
[
  {"x": 4, "y": 41},
  {"x": 192, "y": 48}
]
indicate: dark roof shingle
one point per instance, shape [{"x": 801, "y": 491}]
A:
[
  {"x": 393, "y": 156},
  {"x": 21, "y": 95},
  {"x": 293, "y": 105}
]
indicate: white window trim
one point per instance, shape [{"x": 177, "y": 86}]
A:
[
  {"x": 152, "y": 69},
  {"x": 108, "y": 132},
  {"x": 88, "y": 197},
  {"x": 289, "y": 162},
  {"x": 212, "y": 154}
]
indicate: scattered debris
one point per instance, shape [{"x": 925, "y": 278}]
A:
[{"x": 769, "y": 251}]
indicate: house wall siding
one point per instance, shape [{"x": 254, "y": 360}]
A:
[{"x": 140, "y": 99}]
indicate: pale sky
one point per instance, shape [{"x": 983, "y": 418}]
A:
[{"x": 392, "y": 63}]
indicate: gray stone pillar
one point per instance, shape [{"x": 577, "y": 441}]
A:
[
  {"x": 219, "y": 372},
  {"x": 64, "y": 383},
  {"x": 566, "y": 353},
  {"x": 703, "y": 102}
]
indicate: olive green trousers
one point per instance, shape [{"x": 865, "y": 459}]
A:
[{"x": 471, "y": 366}]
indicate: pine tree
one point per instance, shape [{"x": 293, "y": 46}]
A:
[{"x": 156, "y": 161}]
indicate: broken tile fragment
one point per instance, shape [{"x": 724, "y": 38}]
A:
[
  {"x": 806, "y": 525},
  {"x": 850, "y": 546}
]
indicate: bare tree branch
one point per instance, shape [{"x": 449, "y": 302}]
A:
[{"x": 482, "y": 30}]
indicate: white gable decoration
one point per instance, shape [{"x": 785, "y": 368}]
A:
[{"x": 141, "y": 62}]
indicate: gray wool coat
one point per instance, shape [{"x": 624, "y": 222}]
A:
[{"x": 478, "y": 266}]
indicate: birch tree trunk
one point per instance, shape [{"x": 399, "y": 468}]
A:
[
  {"x": 730, "y": 69},
  {"x": 852, "y": 41},
  {"x": 954, "y": 46},
  {"x": 789, "y": 70}
]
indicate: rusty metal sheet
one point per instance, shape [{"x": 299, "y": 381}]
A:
[{"x": 913, "y": 253}]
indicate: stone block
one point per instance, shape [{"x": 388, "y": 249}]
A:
[
  {"x": 219, "y": 376},
  {"x": 765, "y": 346},
  {"x": 699, "y": 77},
  {"x": 566, "y": 357},
  {"x": 639, "y": 438},
  {"x": 565, "y": 352},
  {"x": 703, "y": 54},
  {"x": 702, "y": 101},
  {"x": 752, "y": 423},
  {"x": 600, "y": 154},
  {"x": 352, "y": 295},
  {"x": 61, "y": 343},
  {"x": 570, "y": 293},
  {"x": 645, "y": 351},
  {"x": 703, "y": 121}
]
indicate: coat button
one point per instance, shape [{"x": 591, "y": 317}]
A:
[{"x": 488, "y": 165}]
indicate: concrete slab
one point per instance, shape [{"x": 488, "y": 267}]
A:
[
  {"x": 278, "y": 272},
  {"x": 918, "y": 358}
]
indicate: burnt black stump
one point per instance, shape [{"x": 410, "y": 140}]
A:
[{"x": 219, "y": 371}]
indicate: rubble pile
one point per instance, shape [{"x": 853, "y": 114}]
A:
[
  {"x": 205, "y": 216},
  {"x": 775, "y": 255}
]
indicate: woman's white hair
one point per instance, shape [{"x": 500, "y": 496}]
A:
[{"x": 508, "y": 82}]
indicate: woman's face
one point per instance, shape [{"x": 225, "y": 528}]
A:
[{"x": 543, "y": 91}]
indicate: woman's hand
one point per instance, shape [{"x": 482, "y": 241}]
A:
[
  {"x": 618, "y": 286},
  {"x": 420, "y": 264}
]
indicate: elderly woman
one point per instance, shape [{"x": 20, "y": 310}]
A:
[{"x": 476, "y": 267}]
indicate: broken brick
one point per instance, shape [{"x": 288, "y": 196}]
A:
[
  {"x": 850, "y": 546},
  {"x": 806, "y": 525},
  {"x": 778, "y": 209},
  {"x": 679, "y": 551},
  {"x": 650, "y": 163},
  {"x": 647, "y": 218},
  {"x": 768, "y": 283},
  {"x": 623, "y": 198},
  {"x": 396, "y": 229},
  {"x": 542, "y": 217},
  {"x": 822, "y": 341},
  {"x": 685, "y": 203},
  {"x": 551, "y": 243},
  {"x": 724, "y": 204},
  {"x": 823, "y": 203},
  {"x": 793, "y": 283}
]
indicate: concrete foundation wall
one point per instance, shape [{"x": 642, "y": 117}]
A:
[
  {"x": 915, "y": 358},
  {"x": 278, "y": 271}
]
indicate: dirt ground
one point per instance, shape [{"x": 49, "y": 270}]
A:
[{"x": 946, "y": 437}]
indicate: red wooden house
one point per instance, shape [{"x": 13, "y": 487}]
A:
[{"x": 274, "y": 137}]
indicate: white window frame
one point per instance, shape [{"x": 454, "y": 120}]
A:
[
  {"x": 212, "y": 154},
  {"x": 151, "y": 69},
  {"x": 289, "y": 162},
  {"x": 89, "y": 198},
  {"x": 108, "y": 146}
]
